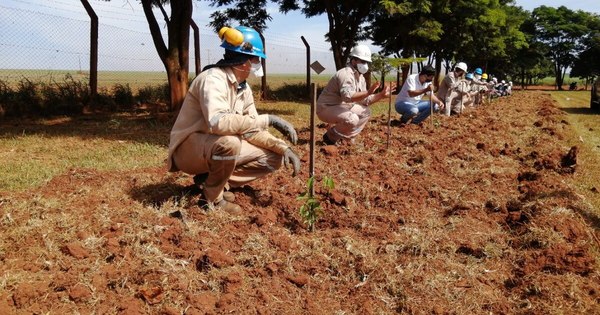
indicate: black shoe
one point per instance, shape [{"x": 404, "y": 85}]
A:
[
  {"x": 199, "y": 179},
  {"x": 327, "y": 141}
]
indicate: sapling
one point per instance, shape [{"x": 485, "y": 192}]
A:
[{"x": 311, "y": 210}]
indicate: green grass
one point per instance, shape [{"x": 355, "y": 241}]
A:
[
  {"x": 138, "y": 79},
  {"x": 35, "y": 152},
  {"x": 106, "y": 79},
  {"x": 586, "y": 128}
]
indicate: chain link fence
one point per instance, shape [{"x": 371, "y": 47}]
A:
[{"x": 37, "y": 45}]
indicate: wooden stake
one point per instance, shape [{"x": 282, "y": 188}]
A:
[
  {"x": 313, "y": 113},
  {"x": 389, "y": 122},
  {"x": 431, "y": 104}
]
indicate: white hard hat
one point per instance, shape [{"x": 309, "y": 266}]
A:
[
  {"x": 503, "y": 81},
  {"x": 361, "y": 52},
  {"x": 462, "y": 66}
]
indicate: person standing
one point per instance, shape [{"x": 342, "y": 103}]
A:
[
  {"x": 218, "y": 135},
  {"x": 408, "y": 102},
  {"x": 344, "y": 102}
]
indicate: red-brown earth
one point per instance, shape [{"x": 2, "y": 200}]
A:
[{"x": 469, "y": 215}]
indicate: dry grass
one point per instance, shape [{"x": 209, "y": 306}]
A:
[
  {"x": 417, "y": 266},
  {"x": 585, "y": 126}
]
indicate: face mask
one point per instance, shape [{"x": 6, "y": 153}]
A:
[
  {"x": 362, "y": 68},
  {"x": 477, "y": 76},
  {"x": 257, "y": 69}
]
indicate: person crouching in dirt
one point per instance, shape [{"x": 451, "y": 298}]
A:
[
  {"x": 479, "y": 84},
  {"x": 218, "y": 136},
  {"x": 470, "y": 96},
  {"x": 448, "y": 92},
  {"x": 344, "y": 102},
  {"x": 408, "y": 101}
]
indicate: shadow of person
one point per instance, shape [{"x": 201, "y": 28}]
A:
[{"x": 157, "y": 194}]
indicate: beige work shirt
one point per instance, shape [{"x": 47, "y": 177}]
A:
[
  {"x": 342, "y": 86},
  {"x": 447, "y": 85},
  {"x": 216, "y": 105}
]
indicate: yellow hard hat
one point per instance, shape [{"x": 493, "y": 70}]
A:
[
  {"x": 484, "y": 76},
  {"x": 231, "y": 36}
]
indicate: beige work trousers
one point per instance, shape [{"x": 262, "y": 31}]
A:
[
  {"x": 454, "y": 103},
  {"x": 348, "y": 120},
  {"x": 228, "y": 160}
]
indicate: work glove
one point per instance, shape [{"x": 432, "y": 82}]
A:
[
  {"x": 284, "y": 127},
  {"x": 290, "y": 157}
]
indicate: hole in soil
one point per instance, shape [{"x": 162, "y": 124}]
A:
[
  {"x": 528, "y": 176},
  {"x": 468, "y": 250}
]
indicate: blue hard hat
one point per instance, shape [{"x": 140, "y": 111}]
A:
[
  {"x": 478, "y": 71},
  {"x": 251, "y": 43},
  {"x": 469, "y": 76}
]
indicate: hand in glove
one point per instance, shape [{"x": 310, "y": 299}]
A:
[
  {"x": 290, "y": 157},
  {"x": 284, "y": 127}
]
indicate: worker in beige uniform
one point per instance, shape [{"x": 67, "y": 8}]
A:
[
  {"x": 344, "y": 102},
  {"x": 448, "y": 91},
  {"x": 218, "y": 135}
]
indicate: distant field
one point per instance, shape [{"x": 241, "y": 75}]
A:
[
  {"x": 136, "y": 79},
  {"x": 106, "y": 79}
]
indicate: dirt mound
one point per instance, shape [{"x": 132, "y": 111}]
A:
[{"x": 475, "y": 214}]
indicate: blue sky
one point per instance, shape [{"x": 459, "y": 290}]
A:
[
  {"x": 54, "y": 34},
  {"x": 584, "y": 5}
]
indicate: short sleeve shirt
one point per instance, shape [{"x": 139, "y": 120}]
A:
[{"x": 412, "y": 84}]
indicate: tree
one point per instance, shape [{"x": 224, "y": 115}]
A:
[
  {"x": 346, "y": 19},
  {"x": 404, "y": 30},
  {"x": 587, "y": 64},
  {"x": 252, "y": 13},
  {"x": 346, "y": 23},
  {"x": 474, "y": 31},
  {"x": 528, "y": 61},
  {"x": 563, "y": 31},
  {"x": 503, "y": 43},
  {"x": 174, "y": 54}
]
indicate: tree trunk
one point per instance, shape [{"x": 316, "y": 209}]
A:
[
  {"x": 405, "y": 71},
  {"x": 438, "y": 68},
  {"x": 175, "y": 55},
  {"x": 558, "y": 76},
  {"x": 178, "y": 85}
]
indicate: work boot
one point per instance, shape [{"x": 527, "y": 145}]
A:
[
  {"x": 229, "y": 196},
  {"x": 228, "y": 207},
  {"x": 327, "y": 141},
  {"x": 223, "y": 205},
  {"x": 199, "y": 179}
]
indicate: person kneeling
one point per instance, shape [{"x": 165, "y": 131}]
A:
[
  {"x": 409, "y": 103},
  {"x": 218, "y": 135}
]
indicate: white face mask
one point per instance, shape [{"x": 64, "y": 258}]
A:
[
  {"x": 257, "y": 69},
  {"x": 362, "y": 68}
]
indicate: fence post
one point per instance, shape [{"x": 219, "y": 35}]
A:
[
  {"x": 313, "y": 113},
  {"x": 307, "y": 64},
  {"x": 263, "y": 81},
  {"x": 196, "y": 46},
  {"x": 93, "y": 48}
]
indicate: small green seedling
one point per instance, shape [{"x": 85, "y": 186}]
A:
[{"x": 311, "y": 210}]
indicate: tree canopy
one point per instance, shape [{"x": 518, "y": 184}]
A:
[
  {"x": 564, "y": 32},
  {"x": 494, "y": 35}
]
